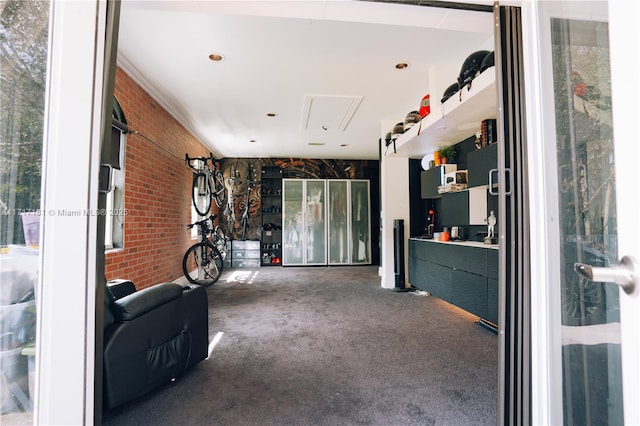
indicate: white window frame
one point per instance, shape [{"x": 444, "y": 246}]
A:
[{"x": 115, "y": 208}]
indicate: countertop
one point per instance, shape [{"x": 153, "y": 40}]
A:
[{"x": 478, "y": 244}]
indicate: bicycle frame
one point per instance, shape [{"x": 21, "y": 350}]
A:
[
  {"x": 245, "y": 213},
  {"x": 206, "y": 256},
  {"x": 219, "y": 241},
  {"x": 213, "y": 176},
  {"x": 230, "y": 209}
]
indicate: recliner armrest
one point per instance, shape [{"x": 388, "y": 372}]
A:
[
  {"x": 139, "y": 303},
  {"x": 120, "y": 288}
]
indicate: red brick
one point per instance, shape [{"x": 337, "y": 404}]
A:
[{"x": 157, "y": 190}]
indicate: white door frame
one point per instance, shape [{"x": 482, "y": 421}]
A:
[
  {"x": 71, "y": 155},
  {"x": 624, "y": 39},
  {"x": 623, "y": 18}
]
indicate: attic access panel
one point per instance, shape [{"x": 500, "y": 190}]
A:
[{"x": 328, "y": 112}]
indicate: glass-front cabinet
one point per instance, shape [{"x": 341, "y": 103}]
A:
[
  {"x": 349, "y": 222},
  {"x": 304, "y": 222},
  {"x": 339, "y": 247},
  {"x": 360, "y": 225},
  {"x": 326, "y": 222},
  {"x": 292, "y": 218}
]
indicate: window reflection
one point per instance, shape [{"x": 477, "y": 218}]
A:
[
  {"x": 591, "y": 363},
  {"x": 23, "y": 62}
]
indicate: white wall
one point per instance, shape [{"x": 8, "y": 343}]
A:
[{"x": 395, "y": 205}]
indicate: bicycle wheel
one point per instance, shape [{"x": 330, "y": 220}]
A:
[
  {"x": 220, "y": 240},
  {"x": 201, "y": 193},
  {"x": 202, "y": 264}
]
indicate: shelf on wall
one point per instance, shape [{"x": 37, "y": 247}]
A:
[{"x": 461, "y": 117}]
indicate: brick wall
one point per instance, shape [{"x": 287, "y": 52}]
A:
[{"x": 157, "y": 192}]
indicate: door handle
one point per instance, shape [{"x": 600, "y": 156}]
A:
[
  {"x": 492, "y": 172},
  {"x": 626, "y": 274},
  {"x": 507, "y": 173}
]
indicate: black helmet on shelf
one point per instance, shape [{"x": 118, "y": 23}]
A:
[
  {"x": 398, "y": 129},
  {"x": 449, "y": 92},
  {"x": 471, "y": 67},
  {"x": 487, "y": 62},
  {"x": 412, "y": 118},
  {"x": 387, "y": 139}
]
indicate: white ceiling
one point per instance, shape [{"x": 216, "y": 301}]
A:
[{"x": 316, "y": 64}]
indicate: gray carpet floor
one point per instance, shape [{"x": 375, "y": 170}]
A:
[{"x": 329, "y": 346}]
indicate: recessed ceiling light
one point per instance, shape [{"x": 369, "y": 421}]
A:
[
  {"x": 402, "y": 65},
  {"x": 316, "y": 143},
  {"x": 271, "y": 114},
  {"x": 252, "y": 140},
  {"x": 216, "y": 57},
  {"x": 344, "y": 144}
]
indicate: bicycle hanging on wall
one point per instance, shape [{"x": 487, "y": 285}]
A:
[
  {"x": 247, "y": 202},
  {"x": 230, "y": 209},
  {"x": 208, "y": 183},
  {"x": 204, "y": 256}
]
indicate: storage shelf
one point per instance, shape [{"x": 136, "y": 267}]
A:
[
  {"x": 461, "y": 118},
  {"x": 271, "y": 199}
]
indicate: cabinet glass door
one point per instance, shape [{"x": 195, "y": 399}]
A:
[
  {"x": 315, "y": 223},
  {"x": 360, "y": 222},
  {"x": 338, "y": 223},
  {"x": 292, "y": 220}
]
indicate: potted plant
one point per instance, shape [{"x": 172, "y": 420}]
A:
[{"x": 447, "y": 154}]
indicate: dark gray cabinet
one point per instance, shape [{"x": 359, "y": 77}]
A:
[
  {"x": 429, "y": 182},
  {"x": 480, "y": 162},
  {"x": 454, "y": 208},
  {"x": 463, "y": 275},
  {"x": 439, "y": 253},
  {"x": 439, "y": 281},
  {"x": 492, "y": 286},
  {"x": 469, "y": 292},
  {"x": 432, "y": 178},
  {"x": 492, "y": 264},
  {"x": 492, "y": 300},
  {"x": 470, "y": 259}
]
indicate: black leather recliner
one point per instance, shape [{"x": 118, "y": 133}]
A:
[{"x": 151, "y": 337}]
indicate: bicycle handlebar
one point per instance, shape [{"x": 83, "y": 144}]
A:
[
  {"x": 206, "y": 160},
  {"x": 202, "y": 222}
]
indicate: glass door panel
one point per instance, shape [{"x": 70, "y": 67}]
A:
[
  {"x": 360, "y": 222},
  {"x": 592, "y": 381},
  {"x": 587, "y": 318},
  {"x": 292, "y": 220},
  {"x": 338, "y": 223},
  {"x": 315, "y": 223},
  {"x": 23, "y": 69}
]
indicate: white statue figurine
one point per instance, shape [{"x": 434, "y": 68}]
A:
[{"x": 492, "y": 223}]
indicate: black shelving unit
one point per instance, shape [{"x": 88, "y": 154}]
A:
[{"x": 271, "y": 196}]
